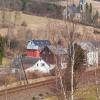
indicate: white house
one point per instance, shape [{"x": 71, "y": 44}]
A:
[
  {"x": 91, "y": 49},
  {"x": 92, "y": 58},
  {"x": 40, "y": 66},
  {"x": 31, "y": 64}
]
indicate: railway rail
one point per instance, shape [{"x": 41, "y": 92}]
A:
[{"x": 46, "y": 81}]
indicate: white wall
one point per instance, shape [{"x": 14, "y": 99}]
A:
[
  {"x": 92, "y": 58},
  {"x": 41, "y": 66}
]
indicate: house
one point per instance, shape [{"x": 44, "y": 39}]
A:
[
  {"x": 92, "y": 51},
  {"x": 55, "y": 55},
  {"x": 30, "y": 64},
  {"x": 34, "y": 47},
  {"x": 72, "y": 12}
]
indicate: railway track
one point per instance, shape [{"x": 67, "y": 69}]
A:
[{"x": 47, "y": 81}]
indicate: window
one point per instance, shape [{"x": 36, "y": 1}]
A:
[{"x": 43, "y": 64}]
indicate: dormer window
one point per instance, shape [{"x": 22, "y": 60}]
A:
[{"x": 43, "y": 64}]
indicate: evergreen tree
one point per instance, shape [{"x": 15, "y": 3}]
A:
[
  {"x": 90, "y": 8},
  {"x": 2, "y": 43},
  {"x": 79, "y": 57},
  {"x": 88, "y": 13},
  {"x": 95, "y": 17},
  {"x": 86, "y": 8},
  {"x": 24, "y": 3}
]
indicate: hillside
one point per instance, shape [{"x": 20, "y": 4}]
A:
[
  {"x": 33, "y": 7},
  {"x": 45, "y": 24}
]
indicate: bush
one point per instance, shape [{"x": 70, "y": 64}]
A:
[
  {"x": 24, "y": 24},
  {"x": 40, "y": 95},
  {"x": 33, "y": 98}
]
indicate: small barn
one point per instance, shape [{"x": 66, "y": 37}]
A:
[
  {"x": 34, "y": 47},
  {"x": 53, "y": 55}
]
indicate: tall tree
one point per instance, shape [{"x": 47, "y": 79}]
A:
[
  {"x": 88, "y": 13},
  {"x": 24, "y": 3},
  {"x": 90, "y": 9},
  {"x": 2, "y": 44},
  {"x": 95, "y": 17}
]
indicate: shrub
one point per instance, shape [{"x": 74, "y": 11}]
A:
[
  {"x": 40, "y": 95},
  {"x": 24, "y": 24},
  {"x": 33, "y": 98}
]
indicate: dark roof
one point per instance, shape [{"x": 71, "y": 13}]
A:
[
  {"x": 26, "y": 61},
  {"x": 89, "y": 45},
  {"x": 96, "y": 43},
  {"x": 57, "y": 50},
  {"x": 37, "y": 44},
  {"x": 41, "y": 42}
]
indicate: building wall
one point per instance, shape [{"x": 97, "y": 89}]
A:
[
  {"x": 48, "y": 56},
  {"x": 92, "y": 58},
  {"x": 41, "y": 66},
  {"x": 33, "y": 53}
]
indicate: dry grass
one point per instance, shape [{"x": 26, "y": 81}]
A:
[
  {"x": 33, "y": 22},
  {"x": 40, "y": 25},
  {"x": 51, "y": 98}
]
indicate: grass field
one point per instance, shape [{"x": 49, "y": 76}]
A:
[
  {"x": 37, "y": 22},
  {"x": 88, "y": 93},
  {"x": 33, "y": 22},
  {"x": 51, "y": 98}
]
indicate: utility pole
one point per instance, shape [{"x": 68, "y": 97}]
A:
[{"x": 21, "y": 64}]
